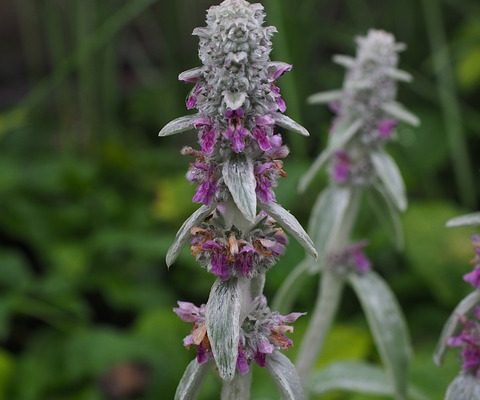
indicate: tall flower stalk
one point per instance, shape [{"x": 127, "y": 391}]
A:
[
  {"x": 359, "y": 166},
  {"x": 462, "y": 330},
  {"x": 238, "y": 232}
]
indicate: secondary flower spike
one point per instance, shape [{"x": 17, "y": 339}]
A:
[{"x": 366, "y": 117}]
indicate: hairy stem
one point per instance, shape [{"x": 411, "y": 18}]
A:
[
  {"x": 329, "y": 296},
  {"x": 326, "y": 307},
  {"x": 238, "y": 388}
]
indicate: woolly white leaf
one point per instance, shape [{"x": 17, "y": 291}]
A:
[
  {"x": 234, "y": 100},
  {"x": 355, "y": 377},
  {"x": 450, "y": 327},
  {"x": 191, "y": 381},
  {"x": 240, "y": 179},
  {"x": 399, "y": 112},
  {"x": 285, "y": 376},
  {"x": 358, "y": 85},
  {"x": 389, "y": 174},
  {"x": 178, "y": 125},
  {"x": 238, "y": 388},
  {"x": 289, "y": 124},
  {"x": 399, "y": 75},
  {"x": 464, "y": 387},
  {"x": 325, "y": 97},
  {"x": 183, "y": 234},
  {"x": 191, "y": 75},
  {"x": 223, "y": 325},
  {"x": 291, "y": 225},
  {"x": 344, "y": 61},
  {"x": 388, "y": 326},
  {"x": 465, "y": 220},
  {"x": 327, "y": 217},
  {"x": 339, "y": 137}
]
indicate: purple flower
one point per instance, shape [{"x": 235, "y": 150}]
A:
[
  {"x": 341, "y": 167},
  {"x": 385, "y": 127},
  {"x": 469, "y": 342},
  {"x": 473, "y": 277},
  {"x": 192, "y": 98},
  {"x": 236, "y": 132},
  {"x": 228, "y": 253},
  {"x": 352, "y": 258},
  {"x": 242, "y": 362},
  {"x": 281, "y": 105},
  {"x": 266, "y": 175},
  {"x": 261, "y": 131},
  {"x": 189, "y": 312},
  {"x": 358, "y": 258},
  {"x": 204, "y": 174}
]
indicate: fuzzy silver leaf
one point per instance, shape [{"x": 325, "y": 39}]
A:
[
  {"x": 464, "y": 387},
  {"x": 223, "y": 325},
  {"x": 464, "y": 220},
  {"x": 356, "y": 377},
  {"x": 285, "y": 376},
  {"x": 399, "y": 112},
  {"x": 191, "y": 75},
  {"x": 191, "y": 381},
  {"x": 289, "y": 124},
  {"x": 179, "y": 125},
  {"x": 183, "y": 235},
  {"x": 391, "y": 178},
  {"x": 239, "y": 177},
  {"x": 291, "y": 225},
  {"x": 325, "y": 97},
  {"x": 388, "y": 326}
]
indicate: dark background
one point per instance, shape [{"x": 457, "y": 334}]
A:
[{"x": 90, "y": 197}]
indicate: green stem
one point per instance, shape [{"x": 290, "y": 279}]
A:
[{"x": 449, "y": 102}]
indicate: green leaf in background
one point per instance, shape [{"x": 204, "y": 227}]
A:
[
  {"x": 388, "y": 327},
  {"x": 7, "y": 369}
]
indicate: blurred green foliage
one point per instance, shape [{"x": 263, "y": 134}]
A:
[{"x": 91, "y": 199}]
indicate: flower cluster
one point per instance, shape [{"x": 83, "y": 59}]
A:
[
  {"x": 366, "y": 113},
  {"x": 469, "y": 341},
  {"x": 352, "y": 258},
  {"x": 237, "y": 98},
  {"x": 367, "y": 88},
  {"x": 262, "y": 332},
  {"x": 473, "y": 277},
  {"x": 231, "y": 252}
]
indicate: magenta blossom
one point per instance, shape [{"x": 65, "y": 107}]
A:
[
  {"x": 227, "y": 253},
  {"x": 385, "y": 128},
  {"x": 236, "y": 132},
  {"x": 352, "y": 258},
  {"x": 469, "y": 342},
  {"x": 473, "y": 277},
  {"x": 189, "y": 312},
  {"x": 341, "y": 167}
]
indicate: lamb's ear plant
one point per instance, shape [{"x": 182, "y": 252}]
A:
[
  {"x": 462, "y": 329},
  {"x": 360, "y": 169},
  {"x": 238, "y": 232}
]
